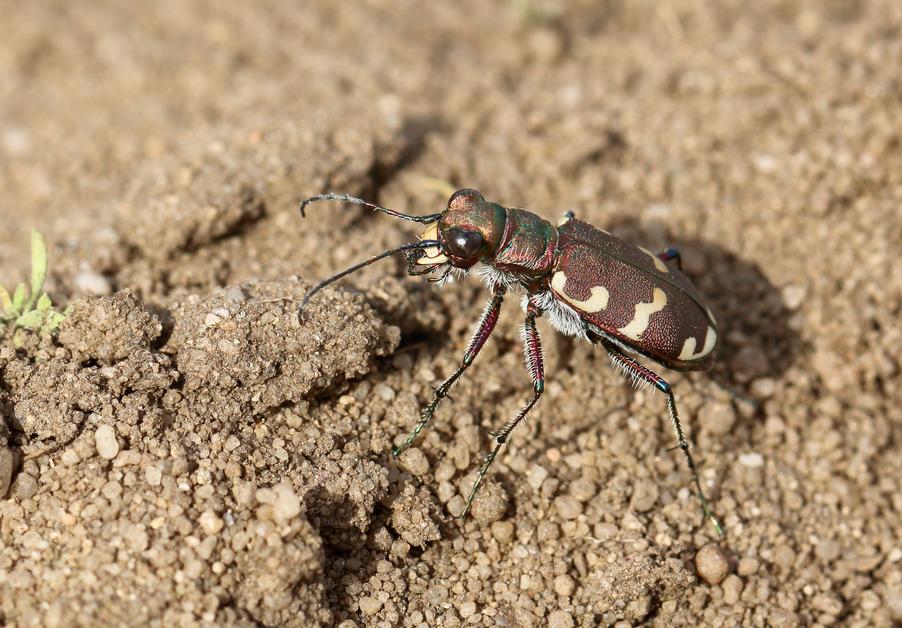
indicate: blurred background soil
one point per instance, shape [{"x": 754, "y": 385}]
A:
[{"x": 186, "y": 452}]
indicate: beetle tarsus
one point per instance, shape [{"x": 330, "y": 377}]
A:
[
  {"x": 636, "y": 370},
  {"x": 483, "y": 331},
  {"x": 533, "y": 350}
]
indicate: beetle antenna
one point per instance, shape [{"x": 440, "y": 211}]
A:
[
  {"x": 422, "y": 244},
  {"x": 359, "y": 201}
]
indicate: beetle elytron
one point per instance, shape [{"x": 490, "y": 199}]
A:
[{"x": 588, "y": 283}]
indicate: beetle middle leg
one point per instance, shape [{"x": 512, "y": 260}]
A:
[
  {"x": 639, "y": 373},
  {"x": 671, "y": 253},
  {"x": 483, "y": 331},
  {"x": 532, "y": 352}
]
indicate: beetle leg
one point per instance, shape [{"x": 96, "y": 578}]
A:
[
  {"x": 671, "y": 253},
  {"x": 483, "y": 331},
  {"x": 638, "y": 372},
  {"x": 532, "y": 352}
]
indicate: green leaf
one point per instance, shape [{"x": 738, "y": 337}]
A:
[
  {"x": 18, "y": 299},
  {"x": 53, "y": 321},
  {"x": 5, "y": 302},
  {"x": 30, "y": 320},
  {"x": 44, "y": 303},
  {"x": 38, "y": 266}
]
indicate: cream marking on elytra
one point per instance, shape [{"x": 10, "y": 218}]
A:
[
  {"x": 431, "y": 255},
  {"x": 659, "y": 263},
  {"x": 635, "y": 328},
  {"x": 688, "y": 353},
  {"x": 711, "y": 315},
  {"x": 597, "y": 301}
]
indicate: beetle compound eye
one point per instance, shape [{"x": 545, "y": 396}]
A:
[
  {"x": 463, "y": 243},
  {"x": 464, "y": 198}
]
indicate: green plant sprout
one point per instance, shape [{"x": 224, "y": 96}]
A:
[{"x": 31, "y": 309}]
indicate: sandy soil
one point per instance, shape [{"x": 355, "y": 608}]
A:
[{"x": 187, "y": 452}]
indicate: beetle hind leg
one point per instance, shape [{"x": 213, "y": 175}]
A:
[
  {"x": 639, "y": 373},
  {"x": 671, "y": 253},
  {"x": 533, "y": 355},
  {"x": 483, "y": 331}
]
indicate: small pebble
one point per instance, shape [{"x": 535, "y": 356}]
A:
[
  {"x": 287, "y": 505},
  {"x": 732, "y": 589},
  {"x": 210, "y": 522},
  {"x": 503, "y": 531},
  {"x": 567, "y": 507},
  {"x": 712, "y": 563},
  {"x": 536, "y": 476},
  {"x": 752, "y": 460},
  {"x": 369, "y": 605},
  {"x": 547, "y": 531},
  {"x": 91, "y": 283},
  {"x": 583, "y": 489},
  {"x": 456, "y": 506},
  {"x": 127, "y": 457},
  {"x": 467, "y": 609},
  {"x": 717, "y": 417},
  {"x": 70, "y": 457},
  {"x": 414, "y": 461},
  {"x": 490, "y": 504},
  {"x": 763, "y": 388},
  {"x": 645, "y": 496},
  {"x": 105, "y": 442},
  {"x": 827, "y": 550},
  {"x": 560, "y": 619},
  {"x": 154, "y": 475},
  {"x": 827, "y": 603},
  {"x": 784, "y": 556},
  {"x": 235, "y": 294},
  {"x": 794, "y": 296},
  {"x": 893, "y": 597},
  {"x": 111, "y": 490},
  {"x": 227, "y": 346},
  {"x": 564, "y": 585},
  {"x": 387, "y": 393},
  {"x": 749, "y": 363},
  {"x": 445, "y": 492},
  {"x": 445, "y": 471},
  {"x": 748, "y": 565},
  {"x": 26, "y": 486},
  {"x": 7, "y": 466}
]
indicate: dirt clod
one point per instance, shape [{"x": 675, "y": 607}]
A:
[{"x": 108, "y": 329}]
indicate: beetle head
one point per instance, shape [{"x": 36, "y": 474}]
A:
[{"x": 469, "y": 230}]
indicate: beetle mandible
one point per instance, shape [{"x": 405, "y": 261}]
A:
[{"x": 589, "y": 284}]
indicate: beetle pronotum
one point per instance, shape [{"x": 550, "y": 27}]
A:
[{"x": 588, "y": 283}]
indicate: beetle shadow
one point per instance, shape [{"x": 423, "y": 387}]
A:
[{"x": 755, "y": 336}]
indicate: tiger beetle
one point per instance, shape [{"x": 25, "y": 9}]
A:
[{"x": 588, "y": 283}]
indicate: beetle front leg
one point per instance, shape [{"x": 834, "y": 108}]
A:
[
  {"x": 532, "y": 351},
  {"x": 639, "y": 372},
  {"x": 483, "y": 331}
]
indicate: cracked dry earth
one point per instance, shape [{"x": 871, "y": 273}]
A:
[{"x": 185, "y": 451}]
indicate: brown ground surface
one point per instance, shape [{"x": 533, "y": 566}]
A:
[{"x": 186, "y": 452}]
